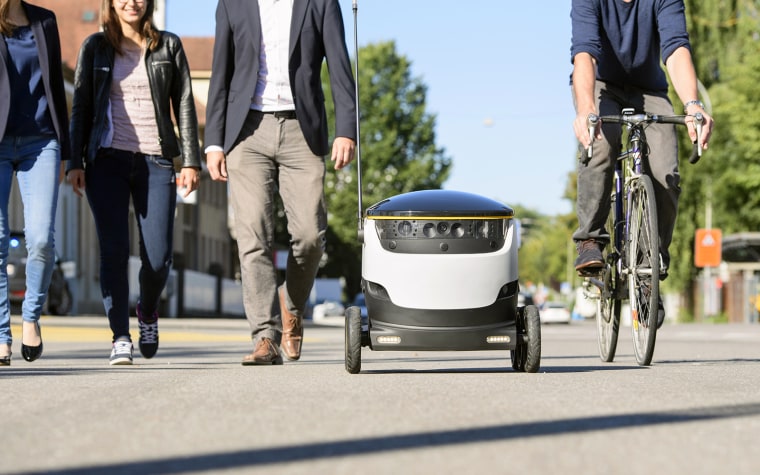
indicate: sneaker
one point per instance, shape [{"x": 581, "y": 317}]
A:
[
  {"x": 148, "y": 333},
  {"x": 121, "y": 354},
  {"x": 589, "y": 256}
]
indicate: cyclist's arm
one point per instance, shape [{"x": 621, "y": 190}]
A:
[
  {"x": 584, "y": 79},
  {"x": 684, "y": 78}
]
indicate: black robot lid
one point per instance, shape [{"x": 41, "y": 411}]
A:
[{"x": 441, "y": 203}]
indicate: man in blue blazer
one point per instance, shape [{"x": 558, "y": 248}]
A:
[{"x": 267, "y": 132}]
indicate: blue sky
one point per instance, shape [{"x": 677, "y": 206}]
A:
[{"x": 497, "y": 75}]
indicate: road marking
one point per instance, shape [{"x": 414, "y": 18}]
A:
[{"x": 70, "y": 334}]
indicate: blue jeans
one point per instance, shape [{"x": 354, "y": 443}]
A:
[
  {"x": 114, "y": 177},
  {"x": 36, "y": 163}
]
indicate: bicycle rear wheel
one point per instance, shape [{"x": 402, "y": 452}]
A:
[
  {"x": 643, "y": 261},
  {"x": 608, "y": 305}
]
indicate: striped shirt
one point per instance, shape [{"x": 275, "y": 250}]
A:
[{"x": 133, "y": 115}]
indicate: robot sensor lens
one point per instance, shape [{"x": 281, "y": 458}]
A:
[{"x": 405, "y": 228}]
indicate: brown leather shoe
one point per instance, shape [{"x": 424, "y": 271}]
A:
[
  {"x": 265, "y": 353},
  {"x": 292, "y": 330}
]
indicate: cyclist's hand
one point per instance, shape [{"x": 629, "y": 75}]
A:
[
  {"x": 707, "y": 126},
  {"x": 580, "y": 126}
]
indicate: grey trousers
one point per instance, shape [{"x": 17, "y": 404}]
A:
[
  {"x": 595, "y": 175},
  {"x": 272, "y": 156}
]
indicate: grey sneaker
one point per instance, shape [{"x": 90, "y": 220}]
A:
[
  {"x": 121, "y": 353},
  {"x": 590, "y": 257}
]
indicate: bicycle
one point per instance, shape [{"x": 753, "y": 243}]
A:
[{"x": 632, "y": 257}]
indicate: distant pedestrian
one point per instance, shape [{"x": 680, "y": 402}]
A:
[
  {"x": 266, "y": 125},
  {"x": 130, "y": 79},
  {"x": 33, "y": 141}
]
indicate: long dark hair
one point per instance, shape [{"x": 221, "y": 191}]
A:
[
  {"x": 6, "y": 27},
  {"x": 109, "y": 21}
]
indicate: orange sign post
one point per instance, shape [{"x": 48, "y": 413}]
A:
[{"x": 707, "y": 248}]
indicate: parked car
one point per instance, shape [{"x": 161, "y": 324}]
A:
[
  {"x": 555, "y": 312},
  {"x": 59, "y": 297}
]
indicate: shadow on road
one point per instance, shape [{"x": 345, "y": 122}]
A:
[{"x": 372, "y": 445}]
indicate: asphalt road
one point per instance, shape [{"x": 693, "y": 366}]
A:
[{"x": 194, "y": 409}]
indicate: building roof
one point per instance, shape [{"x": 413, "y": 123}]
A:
[
  {"x": 199, "y": 51},
  {"x": 77, "y": 19}
]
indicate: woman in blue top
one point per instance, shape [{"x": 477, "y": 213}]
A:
[
  {"x": 33, "y": 141},
  {"x": 618, "y": 47}
]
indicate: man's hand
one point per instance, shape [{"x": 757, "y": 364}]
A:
[
  {"x": 580, "y": 126},
  {"x": 217, "y": 166},
  {"x": 76, "y": 179},
  {"x": 707, "y": 126},
  {"x": 342, "y": 152}
]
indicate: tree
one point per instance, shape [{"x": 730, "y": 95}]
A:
[
  {"x": 547, "y": 251},
  {"x": 724, "y": 37},
  {"x": 399, "y": 153}
]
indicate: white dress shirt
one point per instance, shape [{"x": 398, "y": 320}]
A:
[{"x": 273, "y": 83}]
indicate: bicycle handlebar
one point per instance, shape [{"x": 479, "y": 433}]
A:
[{"x": 637, "y": 120}]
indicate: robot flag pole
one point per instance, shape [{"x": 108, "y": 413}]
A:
[{"x": 358, "y": 127}]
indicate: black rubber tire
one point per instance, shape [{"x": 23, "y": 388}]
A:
[
  {"x": 519, "y": 354},
  {"x": 353, "y": 340},
  {"x": 643, "y": 263},
  {"x": 533, "y": 335},
  {"x": 609, "y": 304},
  {"x": 608, "y": 324}
]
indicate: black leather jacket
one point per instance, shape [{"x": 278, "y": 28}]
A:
[{"x": 169, "y": 77}]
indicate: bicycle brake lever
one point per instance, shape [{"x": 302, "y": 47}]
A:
[
  {"x": 592, "y": 122},
  {"x": 698, "y": 121}
]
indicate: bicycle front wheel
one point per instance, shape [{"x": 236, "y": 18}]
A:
[{"x": 643, "y": 262}]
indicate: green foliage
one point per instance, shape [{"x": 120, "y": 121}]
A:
[
  {"x": 725, "y": 37},
  {"x": 547, "y": 251},
  {"x": 398, "y": 153}
]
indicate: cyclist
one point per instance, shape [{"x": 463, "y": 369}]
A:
[{"x": 617, "y": 46}]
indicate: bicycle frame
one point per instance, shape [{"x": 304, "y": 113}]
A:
[{"x": 628, "y": 167}]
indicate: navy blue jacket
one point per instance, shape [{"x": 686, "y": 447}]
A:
[
  {"x": 628, "y": 40},
  {"x": 316, "y": 33},
  {"x": 45, "y": 29}
]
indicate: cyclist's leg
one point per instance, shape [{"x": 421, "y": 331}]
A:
[
  {"x": 663, "y": 168},
  {"x": 595, "y": 174}
]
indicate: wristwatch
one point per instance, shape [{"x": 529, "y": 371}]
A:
[{"x": 695, "y": 102}]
